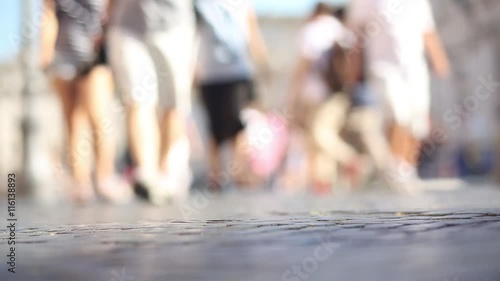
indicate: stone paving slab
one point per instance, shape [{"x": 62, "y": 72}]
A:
[
  {"x": 439, "y": 236},
  {"x": 262, "y": 249}
]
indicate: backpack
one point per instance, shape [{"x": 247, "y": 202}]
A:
[{"x": 338, "y": 66}]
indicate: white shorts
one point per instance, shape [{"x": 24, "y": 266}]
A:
[
  {"x": 404, "y": 95},
  {"x": 153, "y": 70}
]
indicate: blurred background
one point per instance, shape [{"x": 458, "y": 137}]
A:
[{"x": 469, "y": 30}]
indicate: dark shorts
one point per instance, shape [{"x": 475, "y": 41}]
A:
[{"x": 224, "y": 102}]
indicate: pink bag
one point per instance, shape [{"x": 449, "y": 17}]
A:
[{"x": 267, "y": 134}]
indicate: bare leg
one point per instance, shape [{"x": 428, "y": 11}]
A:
[
  {"x": 398, "y": 140},
  {"x": 413, "y": 150},
  {"x": 406, "y": 150},
  {"x": 172, "y": 128},
  {"x": 215, "y": 172},
  {"x": 79, "y": 148},
  {"x": 144, "y": 136},
  {"x": 404, "y": 145},
  {"x": 97, "y": 90}
]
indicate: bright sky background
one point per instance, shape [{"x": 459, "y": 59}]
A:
[
  {"x": 288, "y": 7},
  {"x": 10, "y": 18}
]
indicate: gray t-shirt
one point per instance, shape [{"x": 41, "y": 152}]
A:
[
  {"x": 217, "y": 63},
  {"x": 145, "y": 16}
]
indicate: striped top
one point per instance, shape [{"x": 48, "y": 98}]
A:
[{"x": 86, "y": 13}]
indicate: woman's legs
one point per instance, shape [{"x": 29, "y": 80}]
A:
[
  {"x": 78, "y": 148},
  {"x": 96, "y": 89}
]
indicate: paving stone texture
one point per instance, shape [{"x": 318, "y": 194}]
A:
[{"x": 439, "y": 235}]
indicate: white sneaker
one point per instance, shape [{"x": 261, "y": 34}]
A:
[
  {"x": 146, "y": 184},
  {"x": 179, "y": 169},
  {"x": 403, "y": 177}
]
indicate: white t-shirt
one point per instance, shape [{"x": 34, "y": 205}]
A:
[
  {"x": 394, "y": 29},
  {"x": 149, "y": 16},
  {"x": 317, "y": 37}
]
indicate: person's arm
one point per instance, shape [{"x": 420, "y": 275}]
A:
[
  {"x": 436, "y": 53},
  {"x": 432, "y": 43},
  {"x": 48, "y": 33},
  {"x": 257, "y": 46}
]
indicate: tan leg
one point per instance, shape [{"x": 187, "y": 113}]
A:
[
  {"x": 79, "y": 148},
  {"x": 215, "y": 173},
  {"x": 172, "y": 128},
  {"x": 97, "y": 90},
  {"x": 398, "y": 141},
  {"x": 144, "y": 138},
  {"x": 403, "y": 145},
  {"x": 413, "y": 150}
]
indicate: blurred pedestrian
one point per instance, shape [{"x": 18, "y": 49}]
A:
[
  {"x": 397, "y": 36},
  {"x": 152, "y": 45},
  {"x": 310, "y": 89},
  {"x": 230, "y": 43},
  {"x": 351, "y": 106},
  {"x": 84, "y": 85}
]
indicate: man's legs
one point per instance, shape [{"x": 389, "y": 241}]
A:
[
  {"x": 137, "y": 80},
  {"x": 173, "y": 55}
]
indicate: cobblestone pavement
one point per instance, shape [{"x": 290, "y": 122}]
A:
[{"x": 441, "y": 235}]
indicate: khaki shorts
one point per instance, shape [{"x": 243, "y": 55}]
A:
[{"x": 154, "y": 69}]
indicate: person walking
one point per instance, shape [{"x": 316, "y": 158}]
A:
[
  {"x": 151, "y": 50},
  {"x": 84, "y": 85},
  {"x": 230, "y": 43},
  {"x": 352, "y": 107},
  {"x": 310, "y": 90},
  {"x": 399, "y": 36}
]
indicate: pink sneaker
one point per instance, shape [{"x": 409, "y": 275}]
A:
[
  {"x": 115, "y": 190},
  {"x": 82, "y": 193}
]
